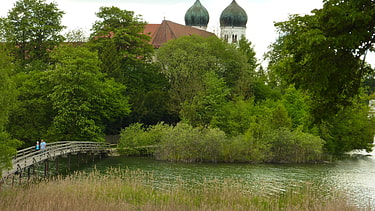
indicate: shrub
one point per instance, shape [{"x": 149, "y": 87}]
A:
[
  {"x": 294, "y": 146},
  {"x": 245, "y": 148},
  {"x": 188, "y": 144},
  {"x": 137, "y": 140}
]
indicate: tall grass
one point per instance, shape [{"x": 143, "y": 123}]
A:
[{"x": 137, "y": 190}]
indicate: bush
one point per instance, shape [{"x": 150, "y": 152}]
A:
[
  {"x": 245, "y": 148},
  {"x": 188, "y": 144},
  {"x": 137, "y": 140},
  {"x": 294, "y": 146}
]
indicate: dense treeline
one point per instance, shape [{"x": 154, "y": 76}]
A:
[{"x": 198, "y": 99}]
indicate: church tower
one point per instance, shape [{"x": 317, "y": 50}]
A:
[
  {"x": 233, "y": 22},
  {"x": 197, "y": 16}
]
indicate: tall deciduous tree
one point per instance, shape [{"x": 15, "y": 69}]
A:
[
  {"x": 203, "y": 74},
  {"x": 7, "y": 99},
  {"x": 33, "y": 114},
  {"x": 122, "y": 45},
  {"x": 324, "y": 52},
  {"x": 7, "y": 87},
  {"x": 32, "y": 28},
  {"x": 125, "y": 55},
  {"x": 84, "y": 100}
]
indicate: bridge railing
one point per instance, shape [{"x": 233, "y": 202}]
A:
[
  {"x": 62, "y": 147},
  {"x": 29, "y": 156}
]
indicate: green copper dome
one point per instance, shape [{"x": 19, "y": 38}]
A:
[
  {"x": 233, "y": 16},
  {"x": 197, "y": 15}
]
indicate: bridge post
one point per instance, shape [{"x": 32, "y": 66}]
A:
[
  {"x": 46, "y": 165},
  {"x": 57, "y": 165},
  {"x": 28, "y": 174},
  {"x": 78, "y": 160},
  {"x": 68, "y": 162},
  {"x": 20, "y": 177}
]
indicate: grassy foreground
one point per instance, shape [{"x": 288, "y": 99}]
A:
[{"x": 136, "y": 190}]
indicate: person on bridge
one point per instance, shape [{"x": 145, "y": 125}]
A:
[
  {"x": 43, "y": 145},
  {"x": 37, "y": 146}
]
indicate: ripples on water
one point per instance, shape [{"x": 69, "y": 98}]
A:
[{"x": 355, "y": 176}]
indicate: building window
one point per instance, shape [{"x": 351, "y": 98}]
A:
[
  {"x": 226, "y": 38},
  {"x": 234, "y": 38}
]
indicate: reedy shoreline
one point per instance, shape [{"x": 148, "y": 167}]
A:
[{"x": 136, "y": 190}]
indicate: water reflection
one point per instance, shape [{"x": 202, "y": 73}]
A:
[{"x": 355, "y": 176}]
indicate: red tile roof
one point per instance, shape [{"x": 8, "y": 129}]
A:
[{"x": 168, "y": 30}]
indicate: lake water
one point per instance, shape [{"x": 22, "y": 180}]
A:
[{"x": 354, "y": 176}]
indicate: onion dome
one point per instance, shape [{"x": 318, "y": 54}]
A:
[
  {"x": 233, "y": 16},
  {"x": 197, "y": 15}
]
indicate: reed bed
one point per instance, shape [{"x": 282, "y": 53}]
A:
[{"x": 136, "y": 190}]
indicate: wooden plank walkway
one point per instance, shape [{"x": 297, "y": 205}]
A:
[{"x": 28, "y": 157}]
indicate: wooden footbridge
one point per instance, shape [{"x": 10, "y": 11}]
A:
[{"x": 29, "y": 157}]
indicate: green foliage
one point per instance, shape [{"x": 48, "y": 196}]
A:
[
  {"x": 137, "y": 140},
  {"x": 245, "y": 148},
  {"x": 350, "y": 129},
  {"x": 280, "y": 117},
  {"x": 32, "y": 28},
  {"x": 207, "y": 102},
  {"x": 8, "y": 96},
  {"x": 258, "y": 131},
  {"x": 298, "y": 107},
  {"x": 294, "y": 146},
  {"x": 235, "y": 117},
  {"x": 322, "y": 53},
  {"x": 82, "y": 98},
  {"x": 184, "y": 62},
  {"x": 125, "y": 55},
  {"x": 118, "y": 36},
  {"x": 8, "y": 149},
  {"x": 147, "y": 91},
  {"x": 247, "y": 48},
  {"x": 188, "y": 144},
  {"x": 7, "y": 87},
  {"x": 72, "y": 101},
  {"x": 263, "y": 90},
  {"x": 33, "y": 113},
  {"x": 203, "y": 73},
  {"x": 368, "y": 83},
  {"x": 323, "y": 56}
]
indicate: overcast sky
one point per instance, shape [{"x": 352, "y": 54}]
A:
[{"x": 261, "y": 14}]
